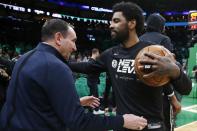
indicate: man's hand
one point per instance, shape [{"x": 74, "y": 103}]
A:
[
  {"x": 134, "y": 122},
  {"x": 175, "y": 104},
  {"x": 194, "y": 71},
  {"x": 161, "y": 65},
  {"x": 3, "y": 73},
  {"x": 89, "y": 101}
]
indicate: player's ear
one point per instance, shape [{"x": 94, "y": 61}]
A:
[{"x": 132, "y": 24}]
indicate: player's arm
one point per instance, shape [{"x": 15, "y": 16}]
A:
[
  {"x": 96, "y": 66},
  {"x": 182, "y": 83},
  {"x": 86, "y": 67},
  {"x": 175, "y": 104}
]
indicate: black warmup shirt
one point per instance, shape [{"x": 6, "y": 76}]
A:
[{"x": 132, "y": 96}]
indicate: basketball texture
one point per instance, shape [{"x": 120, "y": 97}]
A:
[{"x": 156, "y": 80}]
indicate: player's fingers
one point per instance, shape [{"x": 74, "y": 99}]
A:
[{"x": 152, "y": 55}]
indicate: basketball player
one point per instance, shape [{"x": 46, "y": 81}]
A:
[{"x": 132, "y": 96}]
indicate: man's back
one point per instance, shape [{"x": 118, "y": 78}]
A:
[
  {"x": 33, "y": 109},
  {"x": 157, "y": 38}
]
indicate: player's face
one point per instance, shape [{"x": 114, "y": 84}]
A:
[{"x": 119, "y": 27}]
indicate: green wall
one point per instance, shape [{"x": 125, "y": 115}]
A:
[{"x": 192, "y": 60}]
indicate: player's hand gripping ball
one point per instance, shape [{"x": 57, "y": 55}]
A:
[{"x": 155, "y": 80}]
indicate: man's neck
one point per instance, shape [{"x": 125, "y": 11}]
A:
[
  {"x": 51, "y": 43},
  {"x": 133, "y": 39}
]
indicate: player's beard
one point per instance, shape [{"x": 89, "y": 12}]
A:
[{"x": 121, "y": 36}]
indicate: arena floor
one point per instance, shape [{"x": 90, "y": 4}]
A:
[
  {"x": 187, "y": 119},
  {"x": 189, "y": 111},
  {"x": 188, "y": 127}
]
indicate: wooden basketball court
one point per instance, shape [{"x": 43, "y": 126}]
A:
[{"x": 188, "y": 127}]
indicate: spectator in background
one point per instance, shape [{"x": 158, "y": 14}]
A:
[
  {"x": 4, "y": 80},
  {"x": 4, "y": 53},
  {"x": 79, "y": 57},
  {"x": 155, "y": 27},
  {"x": 16, "y": 56},
  {"x": 194, "y": 71},
  {"x": 93, "y": 79},
  {"x": 108, "y": 96},
  {"x": 6, "y": 67},
  {"x": 73, "y": 59},
  {"x": 1, "y": 52}
]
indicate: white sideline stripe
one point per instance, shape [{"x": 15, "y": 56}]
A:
[
  {"x": 192, "y": 110},
  {"x": 189, "y": 107}
]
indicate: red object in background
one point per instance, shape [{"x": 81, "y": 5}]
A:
[{"x": 192, "y": 19}]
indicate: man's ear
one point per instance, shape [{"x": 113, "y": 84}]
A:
[
  {"x": 132, "y": 24},
  {"x": 57, "y": 38}
]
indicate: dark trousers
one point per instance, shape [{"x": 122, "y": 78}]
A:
[
  {"x": 93, "y": 86},
  {"x": 168, "y": 115},
  {"x": 106, "y": 100}
]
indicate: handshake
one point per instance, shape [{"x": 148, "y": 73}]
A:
[{"x": 134, "y": 122}]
